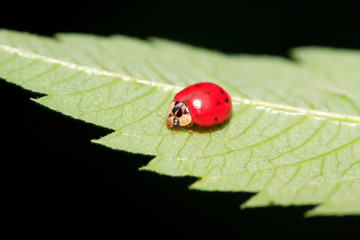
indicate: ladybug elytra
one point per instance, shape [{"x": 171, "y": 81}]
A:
[{"x": 204, "y": 104}]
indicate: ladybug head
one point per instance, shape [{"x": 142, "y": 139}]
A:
[{"x": 178, "y": 115}]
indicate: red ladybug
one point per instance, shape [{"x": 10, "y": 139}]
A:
[{"x": 205, "y": 104}]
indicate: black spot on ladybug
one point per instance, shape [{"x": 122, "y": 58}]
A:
[
  {"x": 226, "y": 100},
  {"x": 218, "y": 103},
  {"x": 216, "y": 119},
  {"x": 222, "y": 91},
  {"x": 177, "y": 102},
  {"x": 179, "y": 113}
]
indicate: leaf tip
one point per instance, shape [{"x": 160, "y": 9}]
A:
[{"x": 147, "y": 168}]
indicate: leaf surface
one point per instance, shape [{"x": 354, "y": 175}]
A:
[{"x": 293, "y": 138}]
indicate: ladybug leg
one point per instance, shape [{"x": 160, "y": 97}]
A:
[{"x": 189, "y": 126}]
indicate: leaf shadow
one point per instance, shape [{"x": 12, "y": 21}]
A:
[{"x": 205, "y": 130}]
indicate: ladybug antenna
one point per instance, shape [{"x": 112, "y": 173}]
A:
[
  {"x": 161, "y": 117},
  {"x": 165, "y": 119}
]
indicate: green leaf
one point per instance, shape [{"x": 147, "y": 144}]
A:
[{"x": 293, "y": 138}]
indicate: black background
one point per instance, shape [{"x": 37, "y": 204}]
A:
[{"x": 61, "y": 184}]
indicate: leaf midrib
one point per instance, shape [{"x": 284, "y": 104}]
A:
[{"x": 270, "y": 107}]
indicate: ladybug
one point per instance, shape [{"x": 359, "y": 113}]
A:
[{"x": 204, "y": 104}]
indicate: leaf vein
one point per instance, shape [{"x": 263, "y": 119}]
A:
[{"x": 275, "y": 107}]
